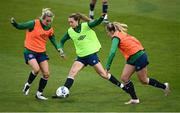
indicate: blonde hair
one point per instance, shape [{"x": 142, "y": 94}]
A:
[
  {"x": 117, "y": 26},
  {"x": 79, "y": 16},
  {"x": 47, "y": 12}
]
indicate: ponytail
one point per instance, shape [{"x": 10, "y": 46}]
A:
[
  {"x": 120, "y": 27},
  {"x": 116, "y": 26}
]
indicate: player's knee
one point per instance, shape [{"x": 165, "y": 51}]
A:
[{"x": 36, "y": 70}]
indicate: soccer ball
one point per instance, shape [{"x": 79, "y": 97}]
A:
[{"x": 62, "y": 92}]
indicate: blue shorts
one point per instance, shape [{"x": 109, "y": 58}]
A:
[
  {"x": 40, "y": 57},
  {"x": 89, "y": 60},
  {"x": 141, "y": 62}
]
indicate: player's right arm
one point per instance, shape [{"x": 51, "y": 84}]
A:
[
  {"x": 114, "y": 46},
  {"x": 22, "y": 26},
  {"x": 62, "y": 42}
]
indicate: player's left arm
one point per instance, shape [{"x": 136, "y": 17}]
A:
[
  {"x": 96, "y": 22},
  {"x": 114, "y": 46},
  {"x": 53, "y": 41}
]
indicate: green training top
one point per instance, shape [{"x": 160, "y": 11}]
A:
[
  {"x": 30, "y": 26},
  {"x": 84, "y": 38},
  {"x": 86, "y": 41}
]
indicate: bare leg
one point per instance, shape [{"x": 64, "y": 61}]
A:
[
  {"x": 43, "y": 81},
  {"x": 142, "y": 75},
  {"x": 129, "y": 87},
  {"x": 76, "y": 67},
  {"x": 100, "y": 70},
  {"x": 35, "y": 70}
]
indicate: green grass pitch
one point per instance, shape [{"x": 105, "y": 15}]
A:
[{"x": 156, "y": 23}]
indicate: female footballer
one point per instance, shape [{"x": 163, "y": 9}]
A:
[
  {"x": 87, "y": 46},
  {"x": 38, "y": 31},
  {"x": 136, "y": 59}
]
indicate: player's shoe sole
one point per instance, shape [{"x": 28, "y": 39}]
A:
[
  {"x": 41, "y": 97},
  {"x": 132, "y": 101}
]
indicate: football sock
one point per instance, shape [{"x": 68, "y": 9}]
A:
[
  {"x": 69, "y": 82},
  {"x": 104, "y": 7},
  {"x": 91, "y": 12},
  {"x": 42, "y": 84},
  {"x": 91, "y": 7},
  {"x": 113, "y": 80},
  {"x": 156, "y": 83},
  {"x": 129, "y": 88},
  {"x": 31, "y": 77}
]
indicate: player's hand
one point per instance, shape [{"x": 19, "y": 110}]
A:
[
  {"x": 61, "y": 53},
  {"x": 12, "y": 20},
  {"x": 103, "y": 15},
  {"x": 107, "y": 71}
]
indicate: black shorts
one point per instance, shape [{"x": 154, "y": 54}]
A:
[
  {"x": 89, "y": 60},
  {"x": 140, "y": 62},
  {"x": 40, "y": 57}
]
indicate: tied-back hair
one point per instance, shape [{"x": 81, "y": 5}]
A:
[
  {"x": 79, "y": 16},
  {"x": 117, "y": 26},
  {"x": 46, "y": 12}
]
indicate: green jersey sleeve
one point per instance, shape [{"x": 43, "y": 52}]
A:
[
  {"x": 64, "y": 39},
  {"x": 26, "y": 25},
  {"x": 96, "y": 22},
  {"x": 53, "y": 41},
  {"x": 114, "y": 46}
]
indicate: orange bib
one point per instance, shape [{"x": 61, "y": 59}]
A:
[
  {"x": 128, "y": 44},
  {"x": 37, "y": 38}
]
